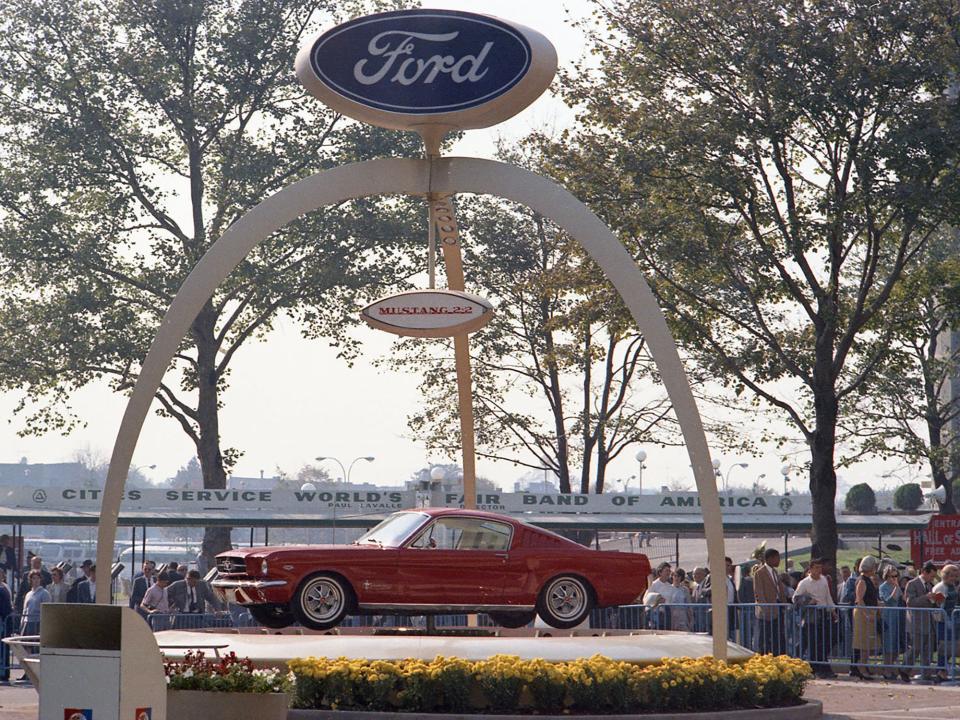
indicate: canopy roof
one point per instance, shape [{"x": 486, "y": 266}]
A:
[{"x": 624, "y": 522}]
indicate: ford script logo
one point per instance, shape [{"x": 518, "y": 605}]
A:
[
  {"x": 421, "y": 61},
  {"x": 412, "y": 68}
]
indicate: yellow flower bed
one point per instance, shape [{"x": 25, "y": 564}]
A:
[{"x": 507, "y": 684}]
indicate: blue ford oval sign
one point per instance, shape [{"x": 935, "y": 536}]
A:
[{"x": 415, "y": 68}]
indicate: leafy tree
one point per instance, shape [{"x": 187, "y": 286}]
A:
[
  {"x": 908, "y": 497},
  {"x": 312, "y": 473},
  {"x": 189, "y": 475},
  {"x": 910, "y": 403},
  {"x": 132, "y": 135},
  {"x": 775, "y": 166},
  {"x": 861, "y": 499}
]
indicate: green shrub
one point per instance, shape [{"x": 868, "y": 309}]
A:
[
  {"x": 861, "y": 499},
  {"x": 908, "y": 497}
]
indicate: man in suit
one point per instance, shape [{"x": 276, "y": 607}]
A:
[
  {"x": 141, "y": 583},
  {"x": 175, "y": 571},
  {"x": 769, "y": 592},
  {"x": 920, "y": 627},
  {"x": 6, "y": 611},
  {"x": 192, "y": 596},
  {"x": 86, "y": 589}
]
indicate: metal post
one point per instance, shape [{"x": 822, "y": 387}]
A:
[
  {"x": 677, "y": 548},
  {"x": 880, "y": 544},
  {"x": 786, "y": 548},
  {"x": 143, "y": 546},
  {"x": 266, "y": 535},
  {"x": 251, "y": 537},
  {"x": 133, "y": 554}
]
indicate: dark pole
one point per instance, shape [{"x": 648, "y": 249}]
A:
[
  {"x": 133, "y": 554},
  {"x": 251, "y": 537},
  {"x": 677, "y": 547}
]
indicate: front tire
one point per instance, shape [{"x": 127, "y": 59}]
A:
[
  {"x": 275, "y": 617},
  {"x": 322, "y": 601},
  {"x": 513, "y": 619},
  {"x": 565, "y": 602}
]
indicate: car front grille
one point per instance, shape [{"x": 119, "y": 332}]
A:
[{"x": 231, "y": 565}]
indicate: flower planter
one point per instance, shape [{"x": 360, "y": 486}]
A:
[{"x": 204, "y": 705}]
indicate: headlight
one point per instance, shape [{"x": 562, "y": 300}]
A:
[{"x": 263, "y": 567}]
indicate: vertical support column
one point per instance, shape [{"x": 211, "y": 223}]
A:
[
  {"x": 133, "y": 554},
  {"x": 443, "y": 217}
]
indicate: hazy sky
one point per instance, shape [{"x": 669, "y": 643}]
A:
[{"x": 291, "y": 400}]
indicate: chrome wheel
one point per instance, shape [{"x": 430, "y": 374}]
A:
[
  {"x": 321, "y": 602},
  {"x": 565, "y": 602},
  {"x": 322, "y": 599}
]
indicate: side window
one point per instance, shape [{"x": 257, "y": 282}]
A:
[{"x": 458, "y": 533}]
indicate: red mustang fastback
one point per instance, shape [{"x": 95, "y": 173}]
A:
[{"x": 421, "y": 562}]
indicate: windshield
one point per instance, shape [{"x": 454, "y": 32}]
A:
[{"x": 394, "y": 530}]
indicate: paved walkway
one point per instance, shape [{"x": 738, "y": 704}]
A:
[
  {"x": 854, "y": 700},
  {"x": 842, "y": 700}
]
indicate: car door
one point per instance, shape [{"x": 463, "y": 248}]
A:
[{"x": 456, "y": 561}]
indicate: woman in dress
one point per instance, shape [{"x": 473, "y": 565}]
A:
[
  {"x": 866, "y": 597},
  {"x": 891, "y": 597},
  {"x": 681, "y": 615}
]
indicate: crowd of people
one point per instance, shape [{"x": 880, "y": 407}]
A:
[
  {"x": 880, "y": 615},
  {"x": 168, "y": 590},
  {"x": 160, "y": 594}
]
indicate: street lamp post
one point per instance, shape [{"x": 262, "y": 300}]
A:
[
  {"x": 641, "y": 456},
  {"x": 785, "y": 471},
  {"x": 346, "y": 471},
  {"x": 307, "y": 487},
  {"x": 726, "y": 479},
  {"x": 756, "y": 483}
]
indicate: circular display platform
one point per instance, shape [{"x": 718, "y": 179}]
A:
[{"x": 643, "y": 647}]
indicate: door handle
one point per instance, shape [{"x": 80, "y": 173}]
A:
[{"x": 502, "y": 555}]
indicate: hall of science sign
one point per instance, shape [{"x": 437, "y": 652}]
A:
[{"x": 344, "y": 499}]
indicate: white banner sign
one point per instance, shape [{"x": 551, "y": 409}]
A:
[
  {"x": 328, "y": 500},
  {"x": 617, "y": 503}
]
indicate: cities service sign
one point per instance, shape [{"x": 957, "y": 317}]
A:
[
  {"x": 337, "y": 499},
  {"x": 414, "y": 68}
]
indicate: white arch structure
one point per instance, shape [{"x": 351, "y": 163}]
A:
[{"x": 401, "y": 176}]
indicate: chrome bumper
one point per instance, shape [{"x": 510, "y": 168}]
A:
[{"x": 243, "y": 588}]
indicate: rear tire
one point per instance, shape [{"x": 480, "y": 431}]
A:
[
  {"x": 565, "y": 602},
  {"x": 513, "y": 619},
  {"x": 275, "y": 617},
  {"x": 322, "y": 601}
]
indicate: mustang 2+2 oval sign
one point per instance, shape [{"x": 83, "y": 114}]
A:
[
  {"x": 415, "y": 68},
  {"x": 429, "y": 313}
]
